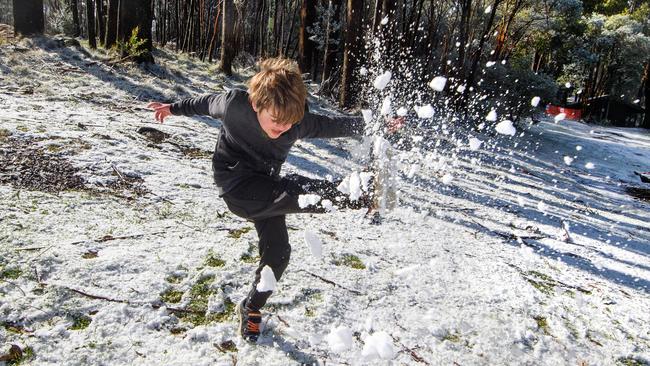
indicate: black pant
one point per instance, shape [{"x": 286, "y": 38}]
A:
[{"x": 266, "y": 201}]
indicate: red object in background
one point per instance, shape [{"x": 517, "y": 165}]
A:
[{"x": 571, "y": 113}]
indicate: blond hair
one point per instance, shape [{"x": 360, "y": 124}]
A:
[{"x": 278, "y": 86}]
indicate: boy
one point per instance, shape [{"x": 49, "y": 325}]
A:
[{"x": 259, "y": 126}]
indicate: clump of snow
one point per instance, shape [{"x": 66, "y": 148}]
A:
[
  {"x": 424, "y": 111},
  {"x": 365, "y": 178},
  {"x": 505, "y": 127},
  {"x": 590, "y": 165},
  {"x": 559, "y": 117},
  {"x": 402, "y": 111},
  {"x": 542, "y": 207},
  {"x": 438, "y": 83},
  {"x": 460, "y": 89},
  {"x": 488, "y": 9},
  {"x": 474, "y": 143},
  {"x": 578, "y": 147},
  {"x": 568, "y": 160},
  {"x": 385, "y": 106},
  {"x": 379, "y": 345},
  {"x": 535, "y": 101},
  {"x": 382, "y": 80},
  {"x": 363, "y": 71},
  {"x": 521, "y": 201},
  {"x": 305, "y": 200},
  {"x": 339, "y": 339},
  {"x": 314, "y": 244},
  {"x": 491, "y": 116},
  {"x": 267, "y": 280},
  {"x": 355, "y": 186},
  {"x": 344, "y": 186},
  {"x": 490, "y": 64},
  {"x": 328, "y": 205},
  {"x": 447, "y": 178},
  {"x": 367, "y": 115},
  {"x": 384, "y": 21}
]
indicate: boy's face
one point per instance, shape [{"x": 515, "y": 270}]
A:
[{"x": 272, "y": 127}]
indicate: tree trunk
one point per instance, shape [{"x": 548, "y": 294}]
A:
[
  {"x": 329, "y": 55},
  {"x": 111, "y": 23},
  {"x": 466, "y": 9},
  {"x": 351, "y": 54},
  {"x": 74, "y": 8},
  {"x": 228, "y": 37},
  {"x": 306, "y": 46},
  {"x": 213, "y": 41},
  {"x": 90, "y": 23},
  {"x": 132, "y": 14},
  {"x": 28, "y": 17},
  {"x": 646, "y": 94},
  {"x": 101, "y": 23}
]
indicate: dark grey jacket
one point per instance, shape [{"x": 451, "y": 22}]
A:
[{"x": 243, "y": 148}]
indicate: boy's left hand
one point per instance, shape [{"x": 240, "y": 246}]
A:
[
  {"x": 161, "y": 111},
  {"x": 394, "y": 124}
]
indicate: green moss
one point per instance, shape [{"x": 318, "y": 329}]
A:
[
  {"x": 54, "y": 148},
  {"x": 28, "y": 354},
  {"x": 249, "y": 257},
  {"x": 174, "y": 279},
  {"x": 171, "y": 296},
  {"x": 198, "y": 305},
  {"x": 237, "y": 233},
  {"x": 227, "y": 346},
  {"x": 11, "y": 273},
  {"x": 452, "y": 336},
  {"x": 22, "y": 129},
  {"x": 177, "y": 330},
  {"x": 349, "y": 260},
  {"x": 213, "y": 260},
  {"x": 310, "y": 312},
  {"x": 80, "y": 321},
  {"x": 630, "y": 361},
  {"x": 542, "y": 324},
  {"x": 542, "y": 282},
  {"x": 4, "y": 133}
]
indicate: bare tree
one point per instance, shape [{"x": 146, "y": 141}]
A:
[
  {"x": 228, "y": 37},
  {"x": 74, "y": 9},
  {"x": 306, "y": 46},
  {"x": 90, "y": 23},
  {"x": 351, "y": 53},
  {"x": 28, "y": 17}
]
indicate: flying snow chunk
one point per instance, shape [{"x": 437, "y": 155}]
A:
[
  {"x": 460, "y": 89},
  {"x": 535, "y": 101},
  {"x": 384, "y": 21},
  {"x": 488, "y": 10},
  {"x": 541, "y": 206},
  {"x": 355, "y": 186},
  {"x": 447, "y": 178},
  {"x": 578, "y": 147},
  {"x": 267, "y": 280},
  {"x": 402, "y": 111},
  {"x": 567, "y": 85},
  {"x": 328, "y": 205},
  {"x": 521, "y": 201},
  {"x": 636, "y": 101},
  {"x": 314, "y": 243},
  {"x": 385, "y": 106},
  {"x": 559, "y": 117},
  {"x": 490, "y": 64},
  {"x": 344, "y": 186},
  {"x": 413, "y": 170},
  {"x": 505, "y": 127},
  {"x": 568, "y": 160},
  {"x": 340, "y": 339},
  {"x": 474, "y": 143},
  {"x": 365, "y": 178},
  {"x": 492, "y": 116},
  {"x": 438, "y": 83},
  {"x": 424, "y": 111},
  {"x": 382, "y": 80},
  {"x": 379, "y": 345},
  {"x": 305, "y": 200},
  {"x": 590, "y": 165},
  {"x": 367, "y": 115},
  {"x": 363, "y": 71}
]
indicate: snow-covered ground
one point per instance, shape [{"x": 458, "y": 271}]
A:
[{"x": 501, "y": 255}]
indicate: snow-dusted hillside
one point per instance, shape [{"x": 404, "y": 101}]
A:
[{"x": 501, "y": 255}]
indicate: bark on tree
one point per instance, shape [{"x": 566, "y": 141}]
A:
[
  {"x": 227, "y": 37},
  {"x": 90, "y": 23},
  {"x": 101, "y": 21},
  {"x": 28, "y": 17},
  {"x": 330, "y": 51},
  {"x": 74, "y": 9},
  {"x": 306, "y": 47},
  {"x": 111, "y": 23},
  {"x": 646, "y": 88},
  {"x": 351, "y": 54}
]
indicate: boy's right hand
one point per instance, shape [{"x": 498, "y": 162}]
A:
[{"x": 161, "y": 111}]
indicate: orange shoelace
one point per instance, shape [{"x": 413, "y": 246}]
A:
[{"x": 253, "y": 327}]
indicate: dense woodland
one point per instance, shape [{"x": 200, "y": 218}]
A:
[{"x": 500, "y": 51}]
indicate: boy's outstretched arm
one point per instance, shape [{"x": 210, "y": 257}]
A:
[
  {"x": 317, "y": 125},
  {"x": 213, "y": 105}
]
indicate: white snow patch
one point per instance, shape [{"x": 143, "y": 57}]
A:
[
  {"x": 385, "y": 106},
  {"x": 505, "y": 127},
  {"x": 267, "y": 280},
  {"x": 447, "y": 178},
  {"x": 438, "y": 83},
  {"x": 568, "y": 160},
  {"x": 305, "y": 200},
  {"x": 340, "y": 339},
  {"x": 474, "y": 143},
  {"x": 402, "y": 111},
  {"x": 379, "y": 345},
  {"x": 491, "y": 116},
  {"x": 367, "y": 115},
  {"x": 424, "y": 111},
  {"x": 590, "y": 165}
]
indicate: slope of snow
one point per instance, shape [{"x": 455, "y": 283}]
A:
[{"x": 467, "y": 272}]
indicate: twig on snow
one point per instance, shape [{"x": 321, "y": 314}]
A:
[
  {"x": 97, "y": 297},
  {"x": 410, "y": 351},
  {"x": 332, "y": 282},
  {"x": 14, "y": 285}
]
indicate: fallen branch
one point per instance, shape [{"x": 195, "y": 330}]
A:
[
  {"x": 14, "y": 285},
  {"x": 96, "y": 297},
  {"x": 332, "y": 282},
  {"x": 414, "y": 356}
]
